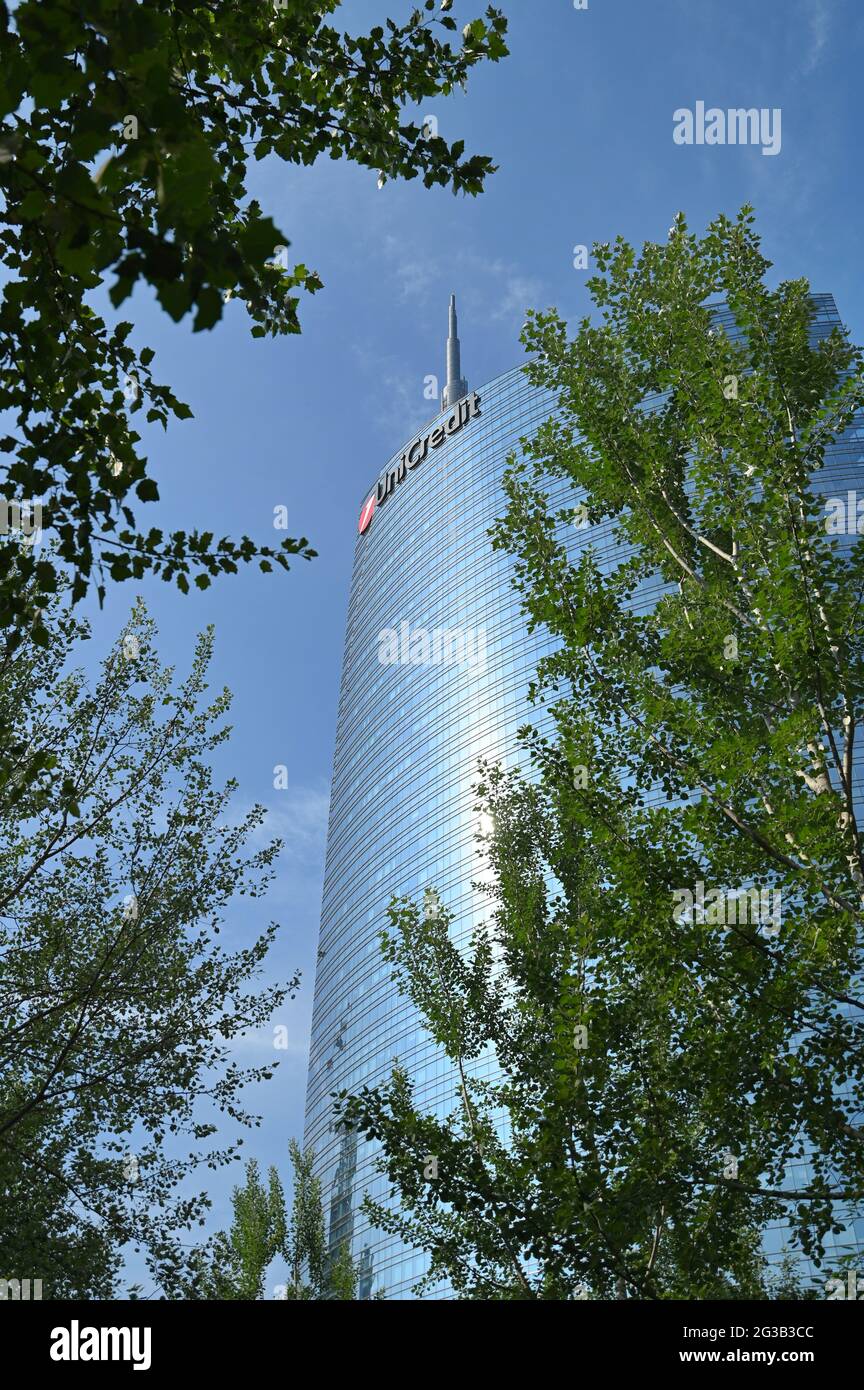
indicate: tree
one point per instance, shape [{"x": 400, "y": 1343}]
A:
[
  {"x": 670, "y": 980},
  {"x": 118, "y": 858},
  {"x": 234, "y": 1266},
  {"x": 306, "y": 1246},
  {"x": 124, "y": 146},
  {"x": 315, "y": 1271}
]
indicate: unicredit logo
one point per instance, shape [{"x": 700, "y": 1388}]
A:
[
  {"x": 366, "y": 514},
  {"x": 466, "y": 409}
]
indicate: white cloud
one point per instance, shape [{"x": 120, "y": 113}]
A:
[
  {"x": 298, "y": 816},
  {"x": 498, "y": 290},
  {"x": 398, "y": 404},
  {"x": 416, "y": 276},
  {"x": 518, "y": 293},
  {"x": 819, "y": 21},
  {"x": 251, "y": 1049}
]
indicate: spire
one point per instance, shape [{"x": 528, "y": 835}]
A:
[{"x": 456, "y": 386}]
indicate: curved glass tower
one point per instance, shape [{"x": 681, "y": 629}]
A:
[{"x": 435, "y": 673}]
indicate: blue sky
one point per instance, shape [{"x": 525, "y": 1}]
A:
[{"x": 580, "y": 121}]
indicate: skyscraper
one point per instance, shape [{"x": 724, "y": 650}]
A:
[
  {"x": 434, "y": 676},
  {"x": 436, "y": 667}
]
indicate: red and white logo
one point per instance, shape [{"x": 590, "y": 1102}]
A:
[{"x": 366, "y": 514}]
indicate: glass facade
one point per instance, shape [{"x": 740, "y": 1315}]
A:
[
  {"x": 436, "y": 667},
  {"x": 407, "y": 744}
]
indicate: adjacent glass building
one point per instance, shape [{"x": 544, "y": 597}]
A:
[{"x": 435, "y": 673}]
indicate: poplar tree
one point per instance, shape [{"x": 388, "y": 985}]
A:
[
  {"x": 234, "y": 1264},
  {"x": 673, "y": 1068},
  {"x": 119, "y": 1007}
]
